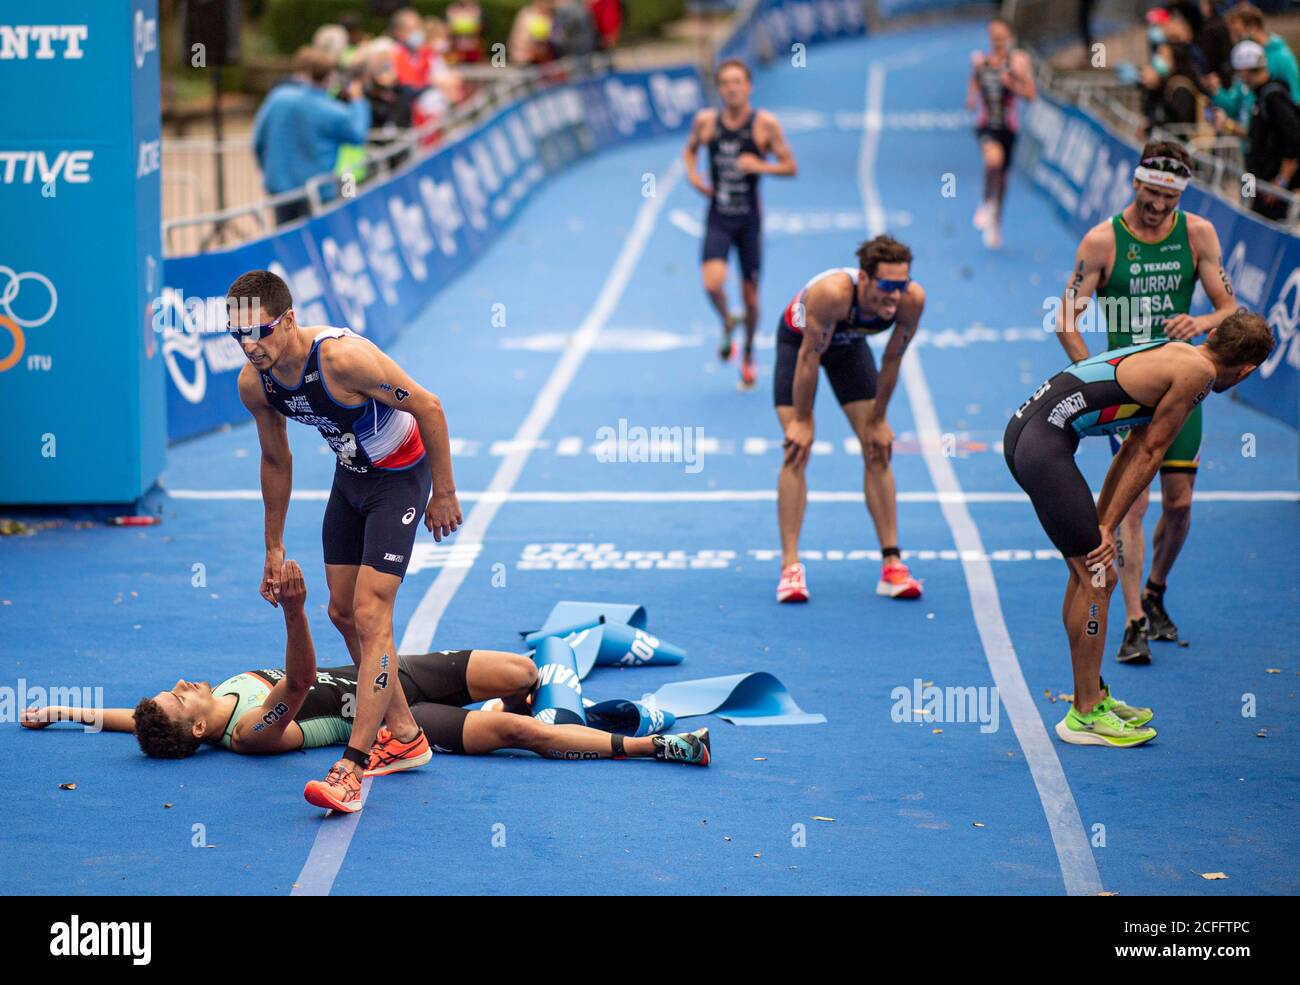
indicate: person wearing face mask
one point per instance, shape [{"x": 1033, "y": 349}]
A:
[
  {"x": 465, "y": 21},
  {"x": 1144, "y": 263},
  {"x": 532, "y": 37},
  {"x": 413, "y": 56}
]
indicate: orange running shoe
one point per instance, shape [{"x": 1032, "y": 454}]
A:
[
  {"x": 388, "y": 755},
  {"x": 792, "y": 587},
  {"x": 748, "y": 374},
  {"x": 339, "y": 791},
  {"x": 897, "y": 582}
]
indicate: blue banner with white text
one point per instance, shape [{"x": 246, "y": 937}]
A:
[{"x": 374, "y": 261}]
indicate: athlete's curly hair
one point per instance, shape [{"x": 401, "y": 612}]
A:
[
  {"x": 883, "y": 249},
  {"x": 160, "y": 736},
  {"x": 1242, "y": 339}
]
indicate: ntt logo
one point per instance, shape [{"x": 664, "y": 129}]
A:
[{"x": 43, "y": 42}]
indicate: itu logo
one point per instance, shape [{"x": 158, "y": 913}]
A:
[
  {"x": 37, "y": 307},
  {"x": 144, "y": 36}
]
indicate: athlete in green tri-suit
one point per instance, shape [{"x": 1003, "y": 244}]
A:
[
  {"x": 1143, "y": 263},
  {"x": 300, "y": 706}
]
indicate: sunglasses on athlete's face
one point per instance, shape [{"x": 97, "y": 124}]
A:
[
  {"x": 890, "y": 286},
  {"x": 254, "y": 333}
]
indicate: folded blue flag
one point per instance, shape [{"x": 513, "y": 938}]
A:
[
  {"x": 742, "y": 699},
  {"x": 557, "y": 699},
  {"x": 570, "y": 613}
]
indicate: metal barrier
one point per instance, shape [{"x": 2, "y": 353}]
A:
[
  {"x": 192, "y": 223},
  {"x": 1217, "y": 161}
]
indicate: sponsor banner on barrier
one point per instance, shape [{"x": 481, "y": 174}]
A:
[
  {"x": 1087, "y": 172},
  {"x": 373, "y": 262},
  {"x": 767, "y": 28},
  {"x": 80, "y": 177}
]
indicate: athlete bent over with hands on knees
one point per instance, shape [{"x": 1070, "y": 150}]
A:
[
  {"x": 826, "y": 326},
  {"x": 1150, "y": 388},
  {"x": 1144, "y": 263},
  {"x": 390, "y": 437},
  {"x": 299, "y": 706}
]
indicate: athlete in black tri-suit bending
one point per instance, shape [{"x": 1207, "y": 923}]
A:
[
  {"x": 740, "y": 139},
  {"x": 1148, "y": 390},
  {"x": 390, "y": 437}
]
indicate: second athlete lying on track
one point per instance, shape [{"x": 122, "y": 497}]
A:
[{"x": 298, "y": 706}]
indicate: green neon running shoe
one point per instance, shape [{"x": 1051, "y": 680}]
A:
[
  {"x": 1129, "y": 714},
  {"x": 1101, "y": 727}
]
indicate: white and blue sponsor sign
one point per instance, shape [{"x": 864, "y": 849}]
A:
[
  {"x": 374, "y": 261},
  {"x": 1088, "y": 174},
  {"x": 767, "y": 28},
  {"x": 81, "y": 390}
]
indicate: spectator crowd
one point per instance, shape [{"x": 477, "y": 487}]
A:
[
  {"x": 1218, "y": 74},
  {"x": 348, "y": 92}
]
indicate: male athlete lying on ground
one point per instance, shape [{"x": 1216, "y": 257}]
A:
[{"x": 300, "y": 707}]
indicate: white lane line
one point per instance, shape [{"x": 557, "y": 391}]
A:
[
  {"x": 734, "y": 496},
  {"x": 419, "y": 631},
  {"x": 327, "y": 851},
  {"x": 1078, "y": 866},
  {"x": 871, "y": 120},
  {"x": 332, "y": 839}
]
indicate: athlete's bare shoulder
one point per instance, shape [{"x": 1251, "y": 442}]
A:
[
  {"x": 1101, "y": 236},
  {"x": 250, "y": 386},
  {"x": 343, "y": 356},
  {"x": 833, "y": 292},
  {"x": 703, "y": 125}
]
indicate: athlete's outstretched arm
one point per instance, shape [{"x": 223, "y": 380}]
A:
[
  {"x": 276, "y": 475},
  {"x": 262, "y": 730},
  {"x": 1138, "y": 461},
  {"x": 1213, "y": 277},
  {"x": 104, "y": 719},
  {"x": 690, "y": 156},
  {"x": 880, "y": 437},
  {"x": 367, "y": 370},
  {"x": 1089, "y": 265}
]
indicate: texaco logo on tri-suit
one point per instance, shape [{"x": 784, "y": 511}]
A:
[{"x": 11, "y": 284}]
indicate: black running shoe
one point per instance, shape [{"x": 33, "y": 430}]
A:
[
  {"x": 1135, "y": 649},
  {"x": 689, "y": 747},
  {"x": 1161, "y": 626}
]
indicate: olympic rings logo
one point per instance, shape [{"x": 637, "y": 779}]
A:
[{"x": 11, "y": 321}]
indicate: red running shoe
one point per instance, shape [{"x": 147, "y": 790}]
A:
[
  {"x": 339, "y": 791},
  {"x": 897, "y": 582},
  {"x": 792, "y": 587}
]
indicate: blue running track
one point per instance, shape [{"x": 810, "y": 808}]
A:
[{"x": 914, "y": 807}]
